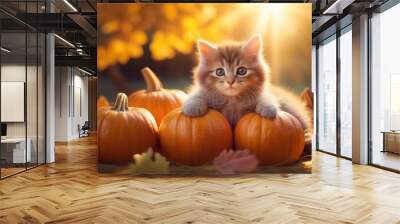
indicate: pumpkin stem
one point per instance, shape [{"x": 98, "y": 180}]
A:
[
  {"x": 152, "y": 81},
  {"x": 121, "y": 103}
]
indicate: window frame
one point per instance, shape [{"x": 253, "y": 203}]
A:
[{"x": 334, "y": 37}]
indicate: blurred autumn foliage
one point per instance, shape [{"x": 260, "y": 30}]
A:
[
  {"x": 170, "y": 30},
  {"x": 125, "y": 29}
]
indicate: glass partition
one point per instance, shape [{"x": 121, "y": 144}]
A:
[
  {"x": 22, "y": 93},
  {"x": 327, "y": 96},
  {"x": 13, "y": 95}
]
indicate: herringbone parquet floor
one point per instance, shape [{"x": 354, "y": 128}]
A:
[{"x": 71, "y": 191}]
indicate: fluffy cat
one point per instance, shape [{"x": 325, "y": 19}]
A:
[{"x": 234, "y": 79}]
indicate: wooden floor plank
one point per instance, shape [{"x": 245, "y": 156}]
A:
[{"x": 72, "y": 191}]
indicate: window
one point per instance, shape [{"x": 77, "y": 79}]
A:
[
  {"x": 327, "y": 96},
  {"x": 385, "y": 89},
  {"x": 334, "y": 65},
  {"x": 346, "y": 93}
]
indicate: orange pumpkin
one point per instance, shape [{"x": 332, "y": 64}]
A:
[
  {"x": 125, "y": 131},
  {"x": 194, "y": 141},
  {"x": 100, "y": 113},
  {"x": 155, "y": 98},
  {"x": 274, "y": 141},
  {"x": 307, "y": 98},
  {"x": 102, "y": 106},
  {"x": 102, "y": 102}
]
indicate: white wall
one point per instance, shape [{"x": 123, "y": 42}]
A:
[
  {"x": 71, "y": 102},
  {"x": 80, "y": 110},
  {"x": 16, "y": 73},
  {"x": 62, "y": 81}
]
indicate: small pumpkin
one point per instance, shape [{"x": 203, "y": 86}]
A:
[
  {"x": 155, "y": 98},
  {"x": 102, "y": 106},
  {"x": 307, "y": 98},
  {"x": 100, "y": 113},
  {"x": 194, "y": 141},
  {"x": 276, "y": 141},
  {"x": 102, "y": 102},
  {"x": 125, "y": 131}
]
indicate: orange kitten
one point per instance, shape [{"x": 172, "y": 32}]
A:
[{"x": 234, "y": 79}]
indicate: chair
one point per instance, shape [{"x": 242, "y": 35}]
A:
[{"x": 84, "y": 130}]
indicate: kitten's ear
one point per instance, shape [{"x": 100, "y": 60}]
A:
[
  {"x": 206, "y": 49},
  {"x": 252, "y": 48}
]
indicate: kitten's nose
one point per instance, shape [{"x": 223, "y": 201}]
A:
[{"x": 230, "y": 81}]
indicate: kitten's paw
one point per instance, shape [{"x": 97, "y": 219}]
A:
[
  {"x": 268, "y": 111},
  {"x": 194, "y": 107}
]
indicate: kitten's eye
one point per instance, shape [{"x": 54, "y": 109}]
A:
[
  {"x": 220, "y": 72},
  {"x": 241, "y": 71}
]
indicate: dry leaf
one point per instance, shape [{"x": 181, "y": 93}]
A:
[
  {"x": 232, "y": 162},
  {"x": 149, "y": 163}
]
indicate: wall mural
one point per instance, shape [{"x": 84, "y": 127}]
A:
[{"x": 204, "y": 88}]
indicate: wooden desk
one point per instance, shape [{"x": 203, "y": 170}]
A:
[
  {"x": 391, "y": 141},
  {"x": 13, "y": 150}
]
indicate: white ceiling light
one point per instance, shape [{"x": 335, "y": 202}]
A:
[
  {"x": 65, "y": 41},
  {"x": 5, "y": 50},
  {"x": 337, "y": 7},
  {"x": 70, "y": 6},
  {"x": 79, "y": 51},
  {"x": 84, "y": 71}
]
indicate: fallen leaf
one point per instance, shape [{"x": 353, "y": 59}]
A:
[
  {"x": 233, "y": 162},
  {"x": 149, "y": 163}
]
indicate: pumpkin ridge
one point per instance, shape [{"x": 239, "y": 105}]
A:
[
  {"x": 213, "y": 129},
  {"x": 299, "y": 135},
  {"x": 193, "y": 144},
  {"x": 261, "y": 134},
  {"x": 147, "y": 125},
  {"x": 152, "y": 82},
  {"x": 291, "y": 128},
  {"x": 301, "y": 138},
  {"x": 255, "y": 120},
  {"x": 286, "y": 134},
  {"x": 179, "y": 149}
]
